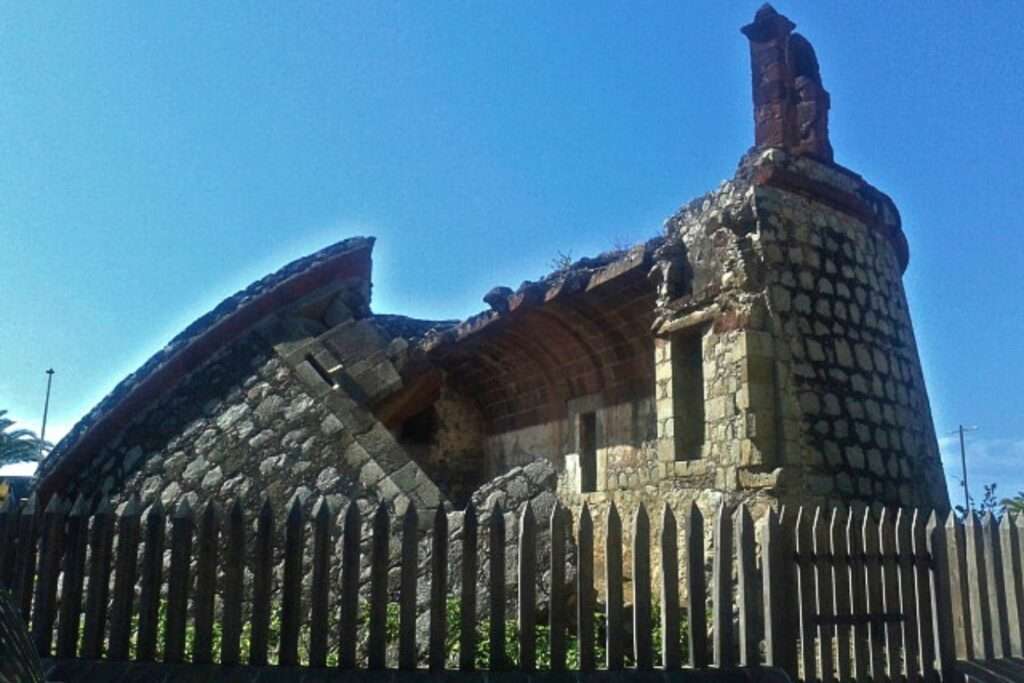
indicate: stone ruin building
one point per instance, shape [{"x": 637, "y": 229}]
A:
[{"x": 759, "y": 350}]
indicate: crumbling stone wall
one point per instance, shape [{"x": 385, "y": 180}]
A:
[
  {"x": 446, "y": 440},
  {"x": 282, "y": 411},
  {"x": 241, "y": 428}
]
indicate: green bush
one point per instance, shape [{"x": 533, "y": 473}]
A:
[{"x": 452, "y": 641}]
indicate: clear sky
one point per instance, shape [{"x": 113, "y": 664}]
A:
[{"x": 159, "y": 156}]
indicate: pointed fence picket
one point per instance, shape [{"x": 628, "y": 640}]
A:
[
  {"x": 182, "y": 529},
  {"x": 496, "y": 588},
  {"x": 320, "y": 591},
  {"x": 696, "y": 594},
  {"x": 438, "y": 591},
  {"x": 828, "y": 594},
  {"x": 96, "y": 604},
  {"x": 149, "y": 592},
  {"x": 44, "y": 611},
  {"x": 670, "y": 612},
  {"x": 234, "y": 576},
  {"x": 585, "y": 591},
  {"x": 467, "y": 606},
  {"x": 263, "y": 561},
  {"x": 124, "y": 580},
  {"x": 291, "y": 584},
  {"x": 348, "y": 617},
  {"x": 614, "y": 611},
  {"x": 407, "y": 590},
  {"x": 527, "y": 602},
  {"x": 558, "y": 609},
  {"x": 206, "y": 583},
  {"x": 75, "y": 539}
]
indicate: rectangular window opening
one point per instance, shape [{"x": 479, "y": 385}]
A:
[
  {"x": 688, "y": 394},
  {"x": 588, "y": 452},
  {"x": 321, "y": 370}
]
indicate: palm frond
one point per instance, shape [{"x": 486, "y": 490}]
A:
[{"x": 19, "y": 445}]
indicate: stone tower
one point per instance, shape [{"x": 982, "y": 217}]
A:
[{"x": 780, "y": 298}]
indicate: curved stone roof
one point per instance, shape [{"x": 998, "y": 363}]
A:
[{"x": 350, "y": 258}]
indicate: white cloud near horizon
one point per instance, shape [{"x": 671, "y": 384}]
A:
[
  {"x": 989, "y": 460},
  {"x": 19, "y": 469}
]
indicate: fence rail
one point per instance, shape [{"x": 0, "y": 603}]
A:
[{"x": 825, "y": 594}]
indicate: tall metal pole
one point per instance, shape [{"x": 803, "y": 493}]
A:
[
  {"x": 963, "y": 464},
  {"x": 46, "y": 411}
]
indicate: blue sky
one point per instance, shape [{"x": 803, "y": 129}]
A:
[{"x": 159, "y": 156}]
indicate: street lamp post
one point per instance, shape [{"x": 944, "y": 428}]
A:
[
  {"x": 46, "y": 411},
  {"x": 963, "y": 465}
]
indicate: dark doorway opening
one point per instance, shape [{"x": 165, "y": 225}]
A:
[{"x": 588, "y": 452}]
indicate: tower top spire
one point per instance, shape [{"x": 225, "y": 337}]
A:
[{"x": 790, "y": 104}]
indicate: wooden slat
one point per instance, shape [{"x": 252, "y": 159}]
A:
[
  {"x": 873, "y": 589},
  {"x": 99, "y": 582},
  {"x": 923, "y": 561},
  {"x": 824, "y": 593},
  {"x": 320, "y": 589},
  {"x": 527, "y": 575},
  {"x": 9, "y": 515},
  {"x": 558, "y": 605},
  {"x": 291, "y": 584},
  {"x": 29, "y": 523},
  {"x": 696, "y": 589},
  {"x": 786, "y": 591},
  {"x": 407, "y": 590},
  {"x": 438, "y": 633},
  {"x": 585, "y": 590},
  {"x": 841, "y": 604},
  {"x": 643, "y": 648},
  {"x": 1013, "y": 572},
  {"x": 943, "y": 610},
  {"x": 234, "y": 584},
  {"x": 349, "y": 617},
  {"x": 45, "y": 608},
  {"x": 150, "y": 581},
  {"x": 496, "y": 588},
  {"x": 858, "y": 592},
  {"x": 996, "y": 586},
  {"x": 891, "y": 604},
  {"x": 124, "y": 579},
  {"x": 746, "y": 580},
  {"x": 182, "y": 529},
  {"x": 803, "y": 547},
  {"x": 671, "y": 650},
  {"x": 206, "y": 583},
  {"x": 614, "y": 612},
  {"x": 721, "y": 589},
  {"x": 977, "y": 589},
  {"x": 956, "y": 553},
  {"x": 263, "y": 562},
  {"x": 467, "y": 606},
  {"x": 75, "y": 542},
  {"x": 907, "y": 572},
  {"x": 772, "y": 587},
  {"x": 376, "y": 649}
]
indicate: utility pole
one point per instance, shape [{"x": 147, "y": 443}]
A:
[
  {"x": 46, "y": 410},
  {"x": 963, "y": 464}
]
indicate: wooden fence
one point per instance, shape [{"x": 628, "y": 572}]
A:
[{"x": 825, "y": 594}]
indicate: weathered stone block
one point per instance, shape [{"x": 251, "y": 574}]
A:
[{"x": 353, "y": 341}]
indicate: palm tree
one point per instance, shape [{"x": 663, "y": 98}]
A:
[
  {"x": 1015, "y": 505},
  {"x": 19, "y": 445}
]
